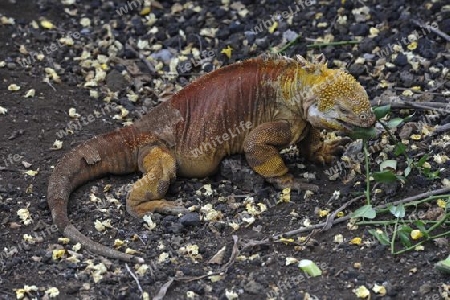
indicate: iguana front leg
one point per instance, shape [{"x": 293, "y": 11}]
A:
[
  {"x": 261, "y": 151},
  {"x": 313, "y": 148},
  {"x": 159, "y": 167}
]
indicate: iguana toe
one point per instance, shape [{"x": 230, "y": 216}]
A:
[
  {"x": 288, "y": 181},
  {"x": 331, "y": 151},
  {"x": 173, "y": 210}
]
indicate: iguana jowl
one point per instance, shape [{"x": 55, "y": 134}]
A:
[{"x": 282, "y": 101}]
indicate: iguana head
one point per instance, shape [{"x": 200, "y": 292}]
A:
[{"x": 339, "y": 103}]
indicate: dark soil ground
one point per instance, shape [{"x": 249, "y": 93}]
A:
[{"x": 389, "y": 66}]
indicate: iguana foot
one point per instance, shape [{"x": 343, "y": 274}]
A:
[
  {"x": 159, "y": 167},
  {"x": 330, "y": 151},
  {"x": 288, "y": 181},
  {"x": 159, "y": 206},
  {"x": 172, "y": 208}
]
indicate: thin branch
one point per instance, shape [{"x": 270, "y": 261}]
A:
[
  {"x": 163, "y": 290},
  {"x": 441, "y": 129},
  {"x": 399, "y": 104},
  {"x": 331, "y": 217},
  {"x": 416, "y": 197},
  {"x": 326, "y": 225},
  {"x": 135, "y": 278},
  {"x": 235, "y": 253},
  {"x": 435, "y": 30}
]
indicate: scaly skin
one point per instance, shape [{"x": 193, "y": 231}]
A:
[{"x": 256, "y": 107}]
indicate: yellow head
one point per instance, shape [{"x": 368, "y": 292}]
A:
[{"x": 340, "y": 103}]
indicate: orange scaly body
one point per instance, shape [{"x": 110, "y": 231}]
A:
[{"x": 256, "y": 107}]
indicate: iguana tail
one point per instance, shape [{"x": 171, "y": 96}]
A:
[{"x": 115, "y": 153}]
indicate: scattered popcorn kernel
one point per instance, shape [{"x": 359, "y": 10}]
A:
[
  {"x": 56, "y": 254},
  {"x": 63, "y": 241},
  {"x": 150, "y": 224},
  {"x": 130, "y": 251},
  {"x": 47, "y": 24},
  {"x": 361, "y": 292},
  {"x": 323, "y": 212},
  {"x": 441, "y": 203},
  {"x": 273, "y": 27},
  {"x": 52, "y": 292},
  {"x": 339, "y": 238},
  {"x": 13, "y": 87},
  {"x": 57, "y": 145},
  {"x": 227, "y": 51},
  {"x": 291, "y": 260},
  {"x": 379, "y": 289},
  {"x": 30, "y": 93},
  {"x": 118, "y": 243},
  {"x": 356, "y": 241},
  {"x": 416, "y": 234}
]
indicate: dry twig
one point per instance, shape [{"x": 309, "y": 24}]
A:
[
  {"x": 435, "y": 30},
  {"x": 135, "y": 278}
]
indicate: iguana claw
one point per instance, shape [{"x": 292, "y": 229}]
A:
[
  {"x": 288, "y": 181},
  {"x": 331, "y": 150}
]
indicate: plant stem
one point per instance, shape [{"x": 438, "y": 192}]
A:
[
  {"x": 291, "y": 43},
  {"x": 438, "y": 223},
  {"x": 362, "y": 223},
  {"x": 420, "y": 243},
  {"x": 366, "y": 159},
  {"x": 412, "y": 203},
  {"x": 340, "y": 43},
  {"x": 387, "y": 129},
  {"x": 296, "y": 41},
  {"x": 394, "y": 235}
]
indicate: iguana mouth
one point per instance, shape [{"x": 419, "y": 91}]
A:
[{"x": 345, "y": 125}]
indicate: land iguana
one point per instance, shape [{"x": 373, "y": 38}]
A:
[{"x": 256, "y": 107}]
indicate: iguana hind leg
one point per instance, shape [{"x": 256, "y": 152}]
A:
[
  {"x": 159, "y": 167},
  {"x": 261, "y": 151}
]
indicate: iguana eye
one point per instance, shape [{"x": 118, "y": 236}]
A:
[{"x": 362, "y": 116}]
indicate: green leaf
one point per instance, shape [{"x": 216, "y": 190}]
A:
[
  {"x": 388, "y": 164},
  {"x": 403, "y": 233},
  {"x": 400, "y": 148},
  {"x": 421, "y": 226},
  {"x": 408, "y": 118},
  {"x": 309, "y": 267},
  {"x": 443, "y": 265},
  {"x": 432, "y": 175},
  {"x": 363, "y": 133},
  {"x": 381, "y": 236},
  {"x": 384, "y": 177},
  {"x": 365, "y": 211},
  {"x": 381, "y": 111},
  {"x": 398, "y": 211},
  {"x": 405, "y": 228},
  {"x": 422, "y": 160},
  {"x": 400, "y": 178},
  {"x": 395, "y": 122},
  {"x": 407, "y": 170},
  {"x": 404, "y": 238}
]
